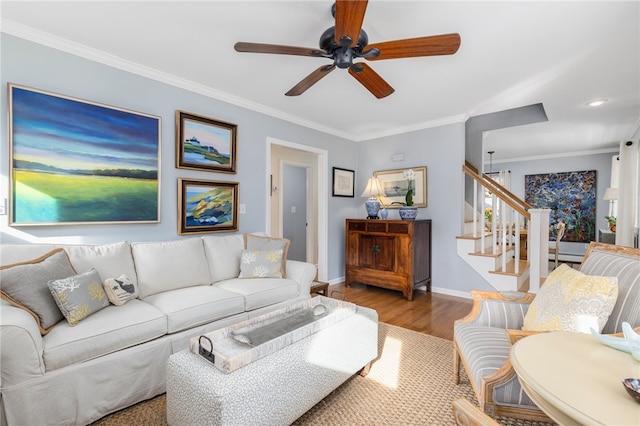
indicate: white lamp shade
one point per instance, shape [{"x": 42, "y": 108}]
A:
[
  {"x": 610, "y": 194},
  {"x": 373, "y": 189}
]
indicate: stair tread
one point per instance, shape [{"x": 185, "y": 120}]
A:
[
  {"x": 488, "y": 252},
  {"x": 473, "y": 237},
  {"x": 511, "y": 268}
]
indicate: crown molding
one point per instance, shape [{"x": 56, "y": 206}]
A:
[
  {"x": 557, "y": 155},
  {"x": 46, "y": 39},
  {"x": 412, "y": 128}
]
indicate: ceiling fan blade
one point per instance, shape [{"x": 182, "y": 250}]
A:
[
  {"x": 445, "y": 44},
  {"x": 349, "y": 17},
  {"x": 310, "y": 80},
  {"x": 278, "y": 49},
  {"x": 371, "y": 80}
]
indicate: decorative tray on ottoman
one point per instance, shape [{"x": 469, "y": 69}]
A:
[{"x": 235, "y": 346}]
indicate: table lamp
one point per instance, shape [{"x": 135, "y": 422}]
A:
[
  {"x": 373, "y": 191},
  {"x": 611, "y": 195}
]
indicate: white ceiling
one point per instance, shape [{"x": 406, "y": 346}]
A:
[{"x": 513, "y": 53}]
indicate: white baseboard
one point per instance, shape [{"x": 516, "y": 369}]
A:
[
  {"x": 449, "y": 292},
  {"x": 439, "y": 290}
]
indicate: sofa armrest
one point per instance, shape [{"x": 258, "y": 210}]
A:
[
  {"x": 22, "y": 348},
  {"x": 302, "y": 273},
  {"x": 498, "y": 309}
]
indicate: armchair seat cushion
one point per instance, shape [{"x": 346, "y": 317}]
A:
[{"x": 485, "y": 350}]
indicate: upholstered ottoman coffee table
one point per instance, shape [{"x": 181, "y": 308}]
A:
[{"x": 276, "y": 388}]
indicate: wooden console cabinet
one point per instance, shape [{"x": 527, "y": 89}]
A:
[{"x": 394, "y": 254}]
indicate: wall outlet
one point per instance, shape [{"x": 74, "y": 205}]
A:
[{"x": 243, "y": 208}]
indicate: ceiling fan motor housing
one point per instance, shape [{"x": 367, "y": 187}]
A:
[{"x": 342, "y": 55}]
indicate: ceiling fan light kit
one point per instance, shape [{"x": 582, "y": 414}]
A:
[{"x": 347, "y": 41}]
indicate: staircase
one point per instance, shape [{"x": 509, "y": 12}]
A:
[{"x": 493, "y": 248}]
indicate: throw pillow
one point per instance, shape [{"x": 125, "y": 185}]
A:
[
  {"x": 120, "y": 290},
  {"x": 258, "y": 242},
  {"x": 24, "y": 285},
  {"x": 572, "y": 301},
  {"x": 79, "y": 296},
  {"x": 261, "y": 264}
]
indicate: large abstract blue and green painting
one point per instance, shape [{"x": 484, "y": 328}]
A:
[
  {"x": 571, "y": 196},
  {"x": 75, "y": 161}
]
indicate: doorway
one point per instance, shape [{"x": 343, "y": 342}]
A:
[
  {"x": 314, "y": 162},
  {"x": 295, "y": 181}
]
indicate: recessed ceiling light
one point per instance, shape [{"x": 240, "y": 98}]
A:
[{"x": 597, "y": 102}]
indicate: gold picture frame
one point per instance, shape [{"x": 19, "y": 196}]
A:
[
  {"x": 395, "y": 186},
  {"x": 203, "y": 143},
  {"x": 207, "y": 206}
]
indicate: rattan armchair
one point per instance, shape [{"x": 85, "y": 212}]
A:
[{"x": 482, "y": 340}]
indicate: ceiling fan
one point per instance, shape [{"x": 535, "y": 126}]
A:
[{"x": 347, "y": 41}]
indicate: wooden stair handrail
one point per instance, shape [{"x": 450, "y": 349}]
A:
[{"x": 501, "y": 192}]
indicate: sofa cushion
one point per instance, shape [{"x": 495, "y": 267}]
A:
[
  {"x": 109, "y": 330},
  {"x": 189, "y": 307},
  {"x": 260, "y": 292},
  {"x": 259, "y": 242},
  {"x": 572, "y": 301},
  {"x": 223, "y": 255},
  {"x": 627, "y": 269},
  {"x": 79, "y": 296},
  {"x": 120, "y": 290},
  {"x": 485, "y": 350},
  {"x": 110, "y": 260},
  {"x": 24, "y": 285},
  {"x": 168, "y": 265},
  {"x": 261, "y": 264}
]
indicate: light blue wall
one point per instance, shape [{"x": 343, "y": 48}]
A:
[
  {"x": 441, "y": 149},
  {"x": 41, "y": 67},
  {"x": 599, "y": 162}
]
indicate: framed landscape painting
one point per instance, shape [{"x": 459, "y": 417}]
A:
[
  {"x": 396, "y": 184},
  {"x": 571, "y": 196},
  {"x": 207, "y": 206},
  {"x": 80, "y": 162},
  {"x": 203, "y": 143}
]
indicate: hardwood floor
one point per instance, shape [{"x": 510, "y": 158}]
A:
[{"x": 429, "y": 313}]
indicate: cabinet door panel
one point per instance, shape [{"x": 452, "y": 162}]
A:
[
  {"x": 366, "y": 252},
  {"x": 385, "y": 258}
]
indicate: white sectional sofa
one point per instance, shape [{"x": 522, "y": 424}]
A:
[{"x": 117, "y": 356}]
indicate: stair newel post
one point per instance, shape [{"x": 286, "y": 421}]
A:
[
  {"x": 494, "y": 222},
  {"x": 538, "y": 244},
  {"x": 503, "y": 226},
  {"x": 516, "y": 237}
]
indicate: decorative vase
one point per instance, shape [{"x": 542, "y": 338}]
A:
[
  {"x": 384, "y": 213},
  {"x": 372, "y": 205},
  {"x": 408, "y": 213}
]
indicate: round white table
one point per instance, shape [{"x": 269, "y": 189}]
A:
[{"x": 577, "y": 380}]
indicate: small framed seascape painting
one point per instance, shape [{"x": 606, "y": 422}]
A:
[
  {"x": 396, "y": 184},
  {"x": 207, "y": 206},
  {"x": 204, "y": 143}
]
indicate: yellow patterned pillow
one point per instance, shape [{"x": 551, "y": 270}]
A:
[
  {"x": 572, "y": 301},
  {"x": 79, "y": 296}
]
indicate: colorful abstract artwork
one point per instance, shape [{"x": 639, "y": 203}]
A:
[
  {"x": 207, "y": 206},
  {"x": 78, "y": 162},
  {"x": 571, "y": 196}
]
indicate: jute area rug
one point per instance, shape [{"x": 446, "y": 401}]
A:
[{"x": 410, "y": 383}]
